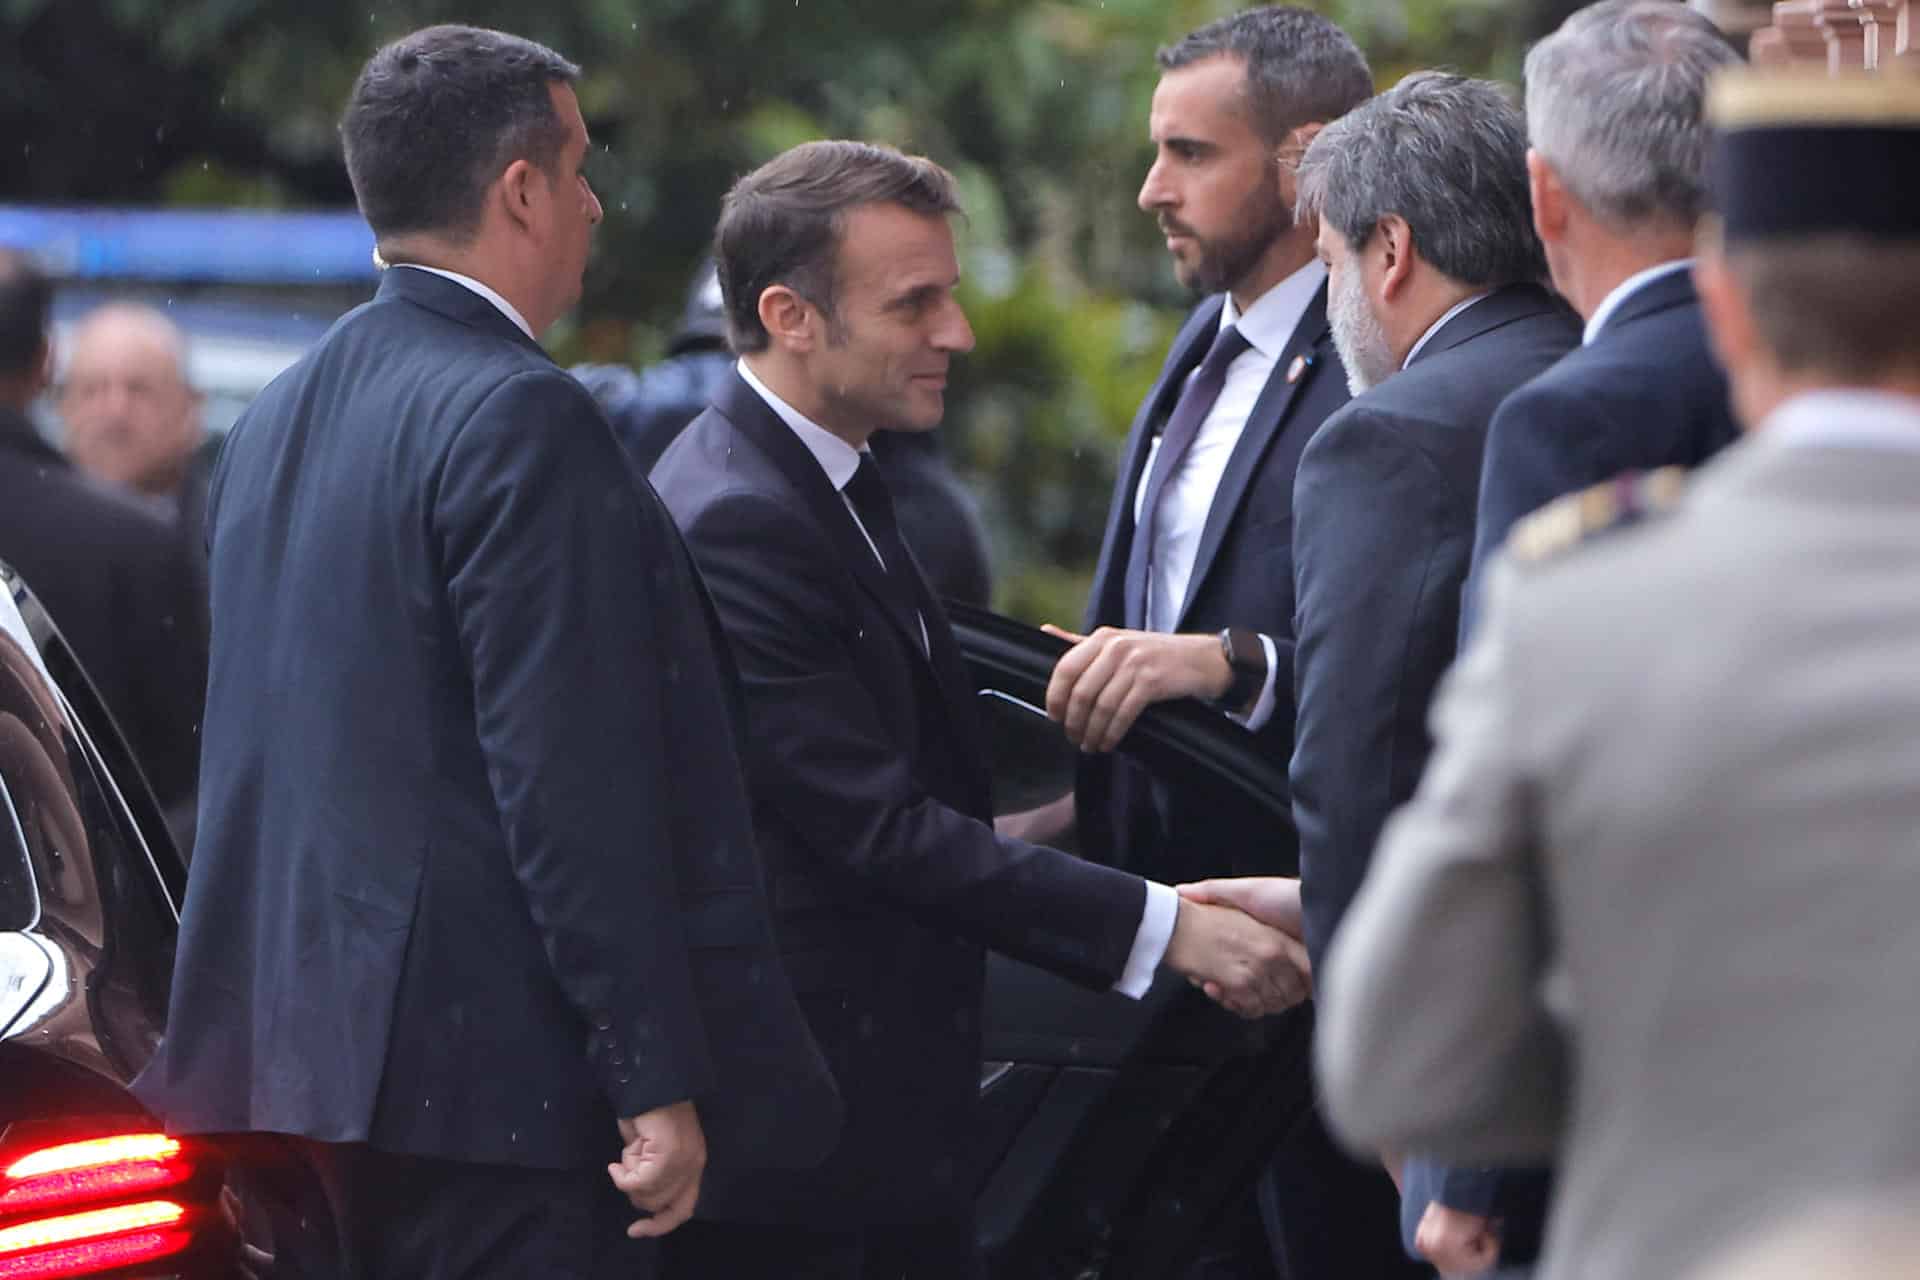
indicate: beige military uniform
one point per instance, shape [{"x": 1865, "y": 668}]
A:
[{"x": 1654, "y": 914}]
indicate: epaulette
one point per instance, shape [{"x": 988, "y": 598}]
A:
[{"x": 1613, "y": 504}]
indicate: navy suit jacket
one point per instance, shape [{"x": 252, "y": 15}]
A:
[
  {"x": 473, "y": 873},
  {"x": 1242, "y": 577},
  {"x": 871, "y": 797},
  {"x": 1383, "y": 534},
  {"x": 1645, "y": 393}
]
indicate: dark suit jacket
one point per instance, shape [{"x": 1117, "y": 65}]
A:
[
  {"x": 1383, "y": 533},
  {"x": 871, "y": 800},
  {"x": 473, "y": 874},
  {"x": 114, "y": 578},
  {"x": 1646, "y": 393},
  {"x": 1242, "y": 576}
]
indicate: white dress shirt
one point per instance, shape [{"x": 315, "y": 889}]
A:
[
  {"x": 1441, "y": 323},
  {"x": 1187, "y": 497},
  {"x": 1626, "y": 289},
  {"x": 505, "y": 308},
  {"x": 840, "y": 460}
]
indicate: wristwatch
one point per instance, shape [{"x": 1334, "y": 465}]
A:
[{"x": 1246, "y": 656}]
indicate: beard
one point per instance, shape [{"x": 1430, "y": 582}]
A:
[
  {"x": 1357, "y": 333},
  {"x": 1224, "y": 262}
]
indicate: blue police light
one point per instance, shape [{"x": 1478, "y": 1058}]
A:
[{"x": 225, "y": 246}]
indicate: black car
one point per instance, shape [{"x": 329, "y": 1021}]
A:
[{"x": 1113, "y": 1132}]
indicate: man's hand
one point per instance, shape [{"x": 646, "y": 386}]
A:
[
  {"x": 1273, "y": 900},
  {"x": 660, "y": 1166},
  {"x": 1250, "y": 968},
  {"x": 1460, "y": 1244},
  {"x": 1102, "y": 684}
]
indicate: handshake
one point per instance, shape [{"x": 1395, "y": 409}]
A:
[{"x": 1241, "y": 942}]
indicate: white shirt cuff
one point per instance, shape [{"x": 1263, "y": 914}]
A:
[
  {"x": 1262, "y": 711},
  {"x": 1150, "y": 944}
]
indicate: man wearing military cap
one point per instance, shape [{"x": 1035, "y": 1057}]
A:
[{"x": 1651, "y": 914}]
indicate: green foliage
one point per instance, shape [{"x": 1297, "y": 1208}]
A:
[{"x": 1038, "y": 105}]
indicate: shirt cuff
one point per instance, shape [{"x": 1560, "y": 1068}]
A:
[
  {"x": 1150, "y": 943},
  {"x": 1262, "y": 712}
]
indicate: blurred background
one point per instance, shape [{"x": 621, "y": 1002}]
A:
[{"x": 160, "y": 148}]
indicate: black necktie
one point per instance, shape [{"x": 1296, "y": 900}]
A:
[
  {"x": 873, "y": 503},
  {"x": 1183, "y": 427}
]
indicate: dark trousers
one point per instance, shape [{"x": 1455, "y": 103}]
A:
[
  {"x": 1331, "y": 1217},
  {"x": 348, "y": 1212},
  {"x": 735, "y": 1251}
]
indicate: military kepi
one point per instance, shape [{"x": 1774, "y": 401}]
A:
[{"x": 1799, "y": 153}]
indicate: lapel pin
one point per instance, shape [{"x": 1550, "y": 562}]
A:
[{"x": 1298, "y": 369}]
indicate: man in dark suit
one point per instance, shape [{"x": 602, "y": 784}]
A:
[
  {"x": 1616, "y": 113},
  {"x": 110, "y": 572},
  {"x": 869, "y": 782},
  {"x": 1437, "y": 315},
  {"x": 476, "y": 915},
  {"x": 1193, "y": 596}
]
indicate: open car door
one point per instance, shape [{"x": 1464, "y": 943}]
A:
[{"x": 1115, "y": 1132}]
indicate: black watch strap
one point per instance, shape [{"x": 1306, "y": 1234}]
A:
[{"x": 1246, "y": 655}]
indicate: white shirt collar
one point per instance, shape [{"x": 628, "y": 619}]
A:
[
  {"x": 1626, "y": 289},
  {"x": 1441, "y": 323},
  {"x": 505, "y": 308},
  {"x": 1269, "y": 323},
  {"x": 836, "y": 457},
  {"x": 1857, "y": 418}
]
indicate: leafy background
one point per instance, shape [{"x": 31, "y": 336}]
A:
[{"x": 1038, "y": 105}]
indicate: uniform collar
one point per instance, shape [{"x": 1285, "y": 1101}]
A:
[{"x": 1846, "y": 418}]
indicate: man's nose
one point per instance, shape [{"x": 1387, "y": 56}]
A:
[
  {"x": 955, "y": 333},
  {"x": 1154, "y": 194}
]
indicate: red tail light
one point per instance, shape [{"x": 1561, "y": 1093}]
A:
[{"x": 82, "y": 1208}]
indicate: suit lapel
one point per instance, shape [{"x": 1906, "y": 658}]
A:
[
  {"x": 1189, "y": 347},
  {"x": 1266, "y": 421},
  {"x": 756, "y": 420}
]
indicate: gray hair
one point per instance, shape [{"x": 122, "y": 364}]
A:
[
  {"x": 1447, "y": 155},
  {"x": 1300, "y": 67},
  {"x": 1616, "y": 104}
]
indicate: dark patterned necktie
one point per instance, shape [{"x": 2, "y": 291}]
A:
[
  {"x": 1183, "y": 427},
  {"x": 873, "y": 503}
]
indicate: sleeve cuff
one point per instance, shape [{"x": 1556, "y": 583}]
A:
[
  {"x": 1150, "y": 943},
  {"x": 1262, "y": 712}
]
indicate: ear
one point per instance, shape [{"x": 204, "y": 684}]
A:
[
  {"x": 788, "y": 318},
  {"x": 1295, "y": 144},
  {"x": 1549, "y": 199},
  {"x": 524, "y": 195},
  {"x": 1395, "y": 239},
  {"x": 42, "y": 376}
]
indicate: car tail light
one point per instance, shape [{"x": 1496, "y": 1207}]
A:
[{"x": 87, "y": 1207}]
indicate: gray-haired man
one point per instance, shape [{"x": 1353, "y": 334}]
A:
[
  {"x": 1426, "y": 229},
  {"x": 1616, "y": 118},
  {"x": 1616, "y": 106}
]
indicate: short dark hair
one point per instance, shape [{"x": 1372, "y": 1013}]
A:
[
  {"x": 782, "y": 223},
  {"x": 1835, "y": 305},
  {"x": 1300, "y": 67},
  {"x": 1449, "y": 156},
  {"x": 26, "y": 299},
  {"x": 437, "y": 115}
]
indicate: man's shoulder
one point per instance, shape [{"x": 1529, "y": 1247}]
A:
[{"x": 1585, "y": 519}]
